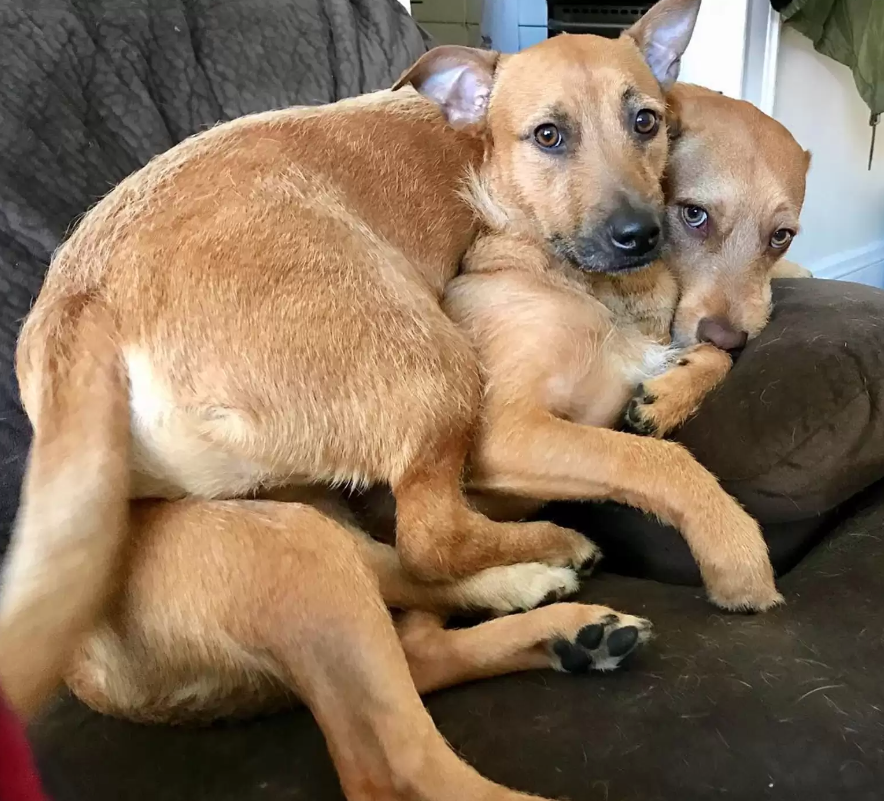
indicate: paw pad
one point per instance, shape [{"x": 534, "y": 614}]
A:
[
  {"x": 602, "y": 645},
  {"x": 622, "y": 641}
]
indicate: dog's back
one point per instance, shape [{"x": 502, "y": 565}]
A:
[{"x": 151, "y": 302}]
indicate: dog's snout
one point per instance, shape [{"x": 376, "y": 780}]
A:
[
  {"x": 634, "y": 231},
  {"x": 719, "y": 332}
]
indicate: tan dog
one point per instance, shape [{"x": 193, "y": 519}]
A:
[
  {"x": 256, "y": 309},
  {"x": 164, "y": 652},
  {"x": 732, "y": 216},
  {"x": 562, "y": 346},
  {"x": 208, "y": 626}
]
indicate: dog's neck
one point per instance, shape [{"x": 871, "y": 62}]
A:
[{"x": 644, "y": 299}]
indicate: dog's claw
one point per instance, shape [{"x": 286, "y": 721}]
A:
[{"x": 634, "y": 419}]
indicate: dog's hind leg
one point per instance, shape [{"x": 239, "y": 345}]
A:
[
  {"x": 439, "y": 536},
  {"x": 396, "y": 403},
  {"x": 282, "y": 606},
  {"x": 573, "y": 638}
]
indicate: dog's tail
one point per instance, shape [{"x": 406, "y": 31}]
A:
[{"x": 75, "y": 501}]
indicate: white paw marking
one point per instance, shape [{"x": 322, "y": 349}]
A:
[{"x": 515, "y": 588}]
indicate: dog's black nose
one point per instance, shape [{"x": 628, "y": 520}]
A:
[
  {"x": 634, "y": 231},
  {"x": 719, "y": 332}
]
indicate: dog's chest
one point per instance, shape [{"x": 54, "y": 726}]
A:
[{"x": 622, "y": 341}]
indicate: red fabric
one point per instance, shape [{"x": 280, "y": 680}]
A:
[{"x": 18, "y": 776}]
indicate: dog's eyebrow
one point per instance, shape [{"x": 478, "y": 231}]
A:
[
  {"x": 785, "y": 209},
  {"x": 559, "y": 116},
  {"x": 633, "y": 97}
]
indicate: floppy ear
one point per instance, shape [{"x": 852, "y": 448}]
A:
[
  {"x": 663, "y": 35},
  {"x": 458, "y": 79}
]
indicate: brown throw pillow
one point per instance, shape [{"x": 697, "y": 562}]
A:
[{"x": 798, "y": 426}]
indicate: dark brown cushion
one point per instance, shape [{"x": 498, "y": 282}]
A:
[
  {"x": 795, "y": 431},
  {"x": 797, "y": 428}
]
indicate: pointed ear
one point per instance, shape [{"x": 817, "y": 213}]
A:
[
  {"x": 663, "y": 35},
  {"x": 458, "y": 79}
]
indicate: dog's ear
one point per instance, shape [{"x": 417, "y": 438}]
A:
[
  {"x": 663, "y": 34},
  {"x": 458, "y": 79}
]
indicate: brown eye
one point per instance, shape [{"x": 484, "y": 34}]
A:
[
  {"x": 548, "y": 136},
  {"x": 694, "y": 216},
  {"x": 647, "y": 123},
  {"x": 781, "y": 237}
]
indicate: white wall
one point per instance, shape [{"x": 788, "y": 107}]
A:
[
  {"x": 843, "y": 218},
  {"x": 714, "y": 57}
]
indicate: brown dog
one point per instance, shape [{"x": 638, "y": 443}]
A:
[
  {"x": 255, "y": 309},
  {"x": 562, "y": 346},
  {"x": 228, "y": 638},
  {"x": 164, "y": 652},
  {"x": 732, "y": 217}
]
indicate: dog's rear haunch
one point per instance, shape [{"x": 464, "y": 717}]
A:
[{"x": 262, "y": 303}]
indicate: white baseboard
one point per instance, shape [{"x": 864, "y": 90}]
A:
[{"x": 863, "y": 265}]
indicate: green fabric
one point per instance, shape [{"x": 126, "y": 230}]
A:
[{"x": 851, "y": 32}]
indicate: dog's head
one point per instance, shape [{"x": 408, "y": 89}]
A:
[
  {"x": 734, "y": 188},
  {"x": 576, "y": 133}
]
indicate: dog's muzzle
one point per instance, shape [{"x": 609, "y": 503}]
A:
[{"x": 629, "y": 239}]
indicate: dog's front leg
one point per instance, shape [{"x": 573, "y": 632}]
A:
[
  {"x": 532, "y": 453},
  {"x": 662, "y": 404}
]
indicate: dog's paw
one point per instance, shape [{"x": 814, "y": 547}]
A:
[
  {"x": 662, "y": 404},
  {"x": 561, "y": 547},
  {"x": 748, "y": 603},
  {"x": 601, "y": 640},
  {"x": 756, "y": 592},
  {"x": 518, "y": 588},
  {"x": 639, "y": 416},
  {"x": 737, "y": 570}
]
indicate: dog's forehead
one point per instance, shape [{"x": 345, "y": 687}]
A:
[
  {"x": 729, "y": 149},
  {"x": 577, "y": 71}
]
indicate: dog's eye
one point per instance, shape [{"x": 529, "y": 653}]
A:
[
  {"x": 548, "y": 136},
  {"x": 647, "y": 123},
  {"x": 694, "y": 216},
  {"x": 781, "y": 237}
]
